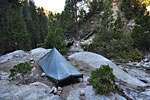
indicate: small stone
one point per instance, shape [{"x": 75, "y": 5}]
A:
[
  {"x": 82, "y": 97},
  {"x": 101, "y": 13},
  {"x": 134, "y": 63},
  {"x": 16, "y": 56},
  {"x": 32, "y": 61},
  {"x": 141, "y": 64},
  {"x": 116, "y": 83},
  {"x": 148, "y": 84},
  {"x": 52, "y": 89},
  {"x": 80, "y": 80},
  {"x": 59, "y": 89},
  {"x": 146, "y": 93},
  {"x": 36, "y": 76},
  {"x": 31, "y": 74},
  {"x": 33, "y": 69},
  {"x": 58, "y": 93},
  {"x": 145, "y": 60},
  {"x": 138, "y": 64},
  {"x": 4, "y": 73},
  {"x": 148, "y": 89},
  {"x": 82, "y": 93},
  {"x": 129, "y": 61},
  {"x": 85, "y": 79},
  {"x": 43, "y": 74},
  {"x": 55, "y": 90},
  {"x": 87, "y": 83},
  {"x": 146, "y": 65}
]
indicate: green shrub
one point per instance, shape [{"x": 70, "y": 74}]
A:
[
  {"x": 55, "y": 39},
  {"x": 133, "y": 55},
  {"x": 22, "y": 69},
  {"x": 103, "y": 80},
  {"x": 130, "y": 8},
  {"x": 141, "y": 33},
  {"x": 120, "y": 50},
  {"x": 134, "y": 9},
  {"x": 104, "y": 36}
]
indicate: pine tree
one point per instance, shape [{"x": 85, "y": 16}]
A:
[
  {"x": 32, "y": 20},
  {"x": 55, "y": 39},
  {"x": 20, "y": 39},
  {"x": 107, "y": 22},
  {"x": 141, "y": 32},
  {"x": 43, "y": 24},
  {"x": 13, "y": 34},
  {"x": 69, "y": 17}
]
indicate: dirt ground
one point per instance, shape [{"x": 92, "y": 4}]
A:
[{"x": 82, "y": 67}]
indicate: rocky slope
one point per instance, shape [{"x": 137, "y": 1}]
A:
[
  {"x": 33, "y": 91},
  {"x": 129, "y": 83},
  {"x": 133, "y": 83}
]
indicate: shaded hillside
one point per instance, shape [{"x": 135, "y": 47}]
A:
[
  {"x": 119, "y": 31},
  {"x": 90, "y": 25},
  {"x": 119, "y": 37}
]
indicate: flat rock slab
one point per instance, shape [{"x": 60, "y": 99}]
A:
[
  {"x": 96, "y": 60},
  {"x": 39, "y": 52},
  {"x": 90, "y": 95},
  {"x": 15, "y": 54},
  {"x": 33, "y": 91}
]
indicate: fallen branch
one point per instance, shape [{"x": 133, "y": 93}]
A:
[{"x": 90, "y": 34}]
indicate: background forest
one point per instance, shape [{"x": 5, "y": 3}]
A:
[{"x": 25, "y": 26}]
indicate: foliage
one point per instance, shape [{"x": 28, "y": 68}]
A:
[
  {"x": 103, "y": 80},
  {"x": 118, "y": 27},
  {"x": 111, "y": 41},
  {"x": 69, "y": 17},
  {"x": 76, "y": 13},
  {"x": 13, "y": 27},
  {"x": 43, "y": 24},
  {"x": 106, "y": 20},
  {"x": 22, "y": 25},
  {"x": 130, "y": 7},
  {"x": 31, "y": 19},
  {"x": 119, "y": 50},
  {"x": 136, "y": 9},
  {"x": 55, "y": 39},
  {"x": 36, "y": 21},
  {"x": 22, "y": 68},
  {"x": 18, "y": 32},
  {"x": 133, "y": 55},
  {"x": 105, "y": 32},
  {"x": 141, "y": 32},
  {"x": 94, "y": 7}
]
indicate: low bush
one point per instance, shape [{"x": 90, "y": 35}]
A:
[
  {"x": 56, "y": 39},
  {"x": 22, "y": 69},
  {"x": 133, "y": 55},
  {"x": 120, "y": 50},
  {"x": 103, "y": 80}
]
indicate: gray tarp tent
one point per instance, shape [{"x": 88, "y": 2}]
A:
[{"x": 57, "y": 67}]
